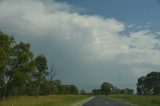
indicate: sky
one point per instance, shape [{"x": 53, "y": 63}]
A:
[{"x": 89, "y": 41}]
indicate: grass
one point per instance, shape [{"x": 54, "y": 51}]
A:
[
  {"x": 139, "y": 100},
  {"x": 56, "y": 100}
]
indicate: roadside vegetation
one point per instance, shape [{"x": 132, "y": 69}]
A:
[
  {"x": 138, "y": 100},
  {"x": 149, "y": 84},
  {"x": 22, "y": 73},
  {"x": 56, "y": 100}
]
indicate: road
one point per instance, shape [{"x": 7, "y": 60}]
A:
[{"x": 102, "y": 101}]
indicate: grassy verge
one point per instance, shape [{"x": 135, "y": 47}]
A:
[
  {"x": 57, "y": 100},
  {"x": 139, "y": 100}
]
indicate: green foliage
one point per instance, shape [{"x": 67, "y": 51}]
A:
[
  {"x": 73, "y": 89},
  {"x": 106, "y": 88},
  {"x": 96, "y": 92},
  {"x": 138, "y": 100},
  {"x": 19, "y": 68},
  {"x": 54, "y": 87},
  {"x": 15, "y": 64},
  {"x": 83, "y": 92},
  {"x": 149, "y": 84},
  {"x": 68, "y": 89},
  {"x": 22, "y": 74},
  {"x": 41, "y": 71},
  {"x": 127, "y": 91},
  {"x": 6, "y": 43}
]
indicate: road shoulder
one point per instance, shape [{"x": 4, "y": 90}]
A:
[{"x": 84, "y": 101}]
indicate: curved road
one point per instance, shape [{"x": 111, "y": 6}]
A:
[{"x": 102, "y": 101}]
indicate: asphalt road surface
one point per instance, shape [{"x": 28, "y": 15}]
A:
[{"x": 102, "y": 101}]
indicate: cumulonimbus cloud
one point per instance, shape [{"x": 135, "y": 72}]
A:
[{"x": 101, "y": 38}]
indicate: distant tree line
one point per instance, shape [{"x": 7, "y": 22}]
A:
[
  {"x": 149, "y": 84},
  {"x": 107, "y": 88},
  {"x": 146, "y": 85},
  {"x": 23, "y": 74}
]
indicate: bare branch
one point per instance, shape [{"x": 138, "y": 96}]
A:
[{"x": 52, "y": 72}]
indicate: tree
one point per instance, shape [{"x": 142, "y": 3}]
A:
[
  {"x": 152, "y": 83},
  {"x": 6, "y": 43},
  {"x": 73, "y": 89},
  {"x": 96, "y": 92},
  {"x": 127, "y": 91},
  {"x": 68, "y": 89},
  {"x": 106, "y": 88},
  {"x": 51, "y": 74},
  {"x": 44, "y": 87},
  {"x": 22, "y": 74},
  {"x": 19, "y": 68},
  {"x": 83, "y": 92},
  {"x": 41, "y": 67},
  {"x": 15, "y": 65},
  {"x": 116, "y": 90},
  {"x": 140, "y": 85},
  {"x": 55, "y": 85},
  {"x": 149, "y": 84}
]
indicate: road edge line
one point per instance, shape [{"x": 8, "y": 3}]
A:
[{"x": 84, "y": 101}]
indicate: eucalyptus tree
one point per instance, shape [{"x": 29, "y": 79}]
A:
[
  {"x": 41, "y": 70},
  {"x": 20, "y": 69},
  {"x": 16, "y": 65},
  {"x": 149, "y": 84},
  {"x": 6, "y": 43}
]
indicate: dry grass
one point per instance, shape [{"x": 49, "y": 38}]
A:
[{"x": 56, "y": 100}]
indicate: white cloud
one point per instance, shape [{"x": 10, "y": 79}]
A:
[
  {"x": 131, "y": 26},
  {"x": 98, "y": 38},
  {"x": 137, "y": 47}
]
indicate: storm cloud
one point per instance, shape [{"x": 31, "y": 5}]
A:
[{"x": 87, "y": 49}]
